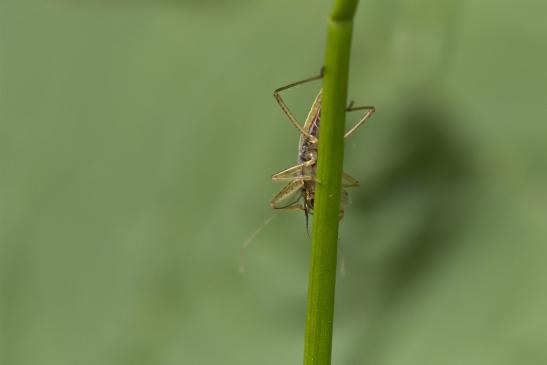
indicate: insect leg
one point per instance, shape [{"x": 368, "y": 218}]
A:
[
  {"x": 289, "y": 190},
  {"x": 349, "y": 181},
  {"x": 370, "y": 110},
  {"x": 293, "y": 206},
  {"x": 290, "y": 173},
  {"x": 285, "y": 108},
  {"x": 345, "y": 201},
  {"x": 342, "y": 259}
]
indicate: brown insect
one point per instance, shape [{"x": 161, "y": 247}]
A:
[{"x": 300, "y": 190}]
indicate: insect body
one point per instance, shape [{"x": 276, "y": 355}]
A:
[{"x": 300, "y": 190}]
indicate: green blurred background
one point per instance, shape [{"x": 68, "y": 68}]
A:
[{"x": 137, "y": 140}]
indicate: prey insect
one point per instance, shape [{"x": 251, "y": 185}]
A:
[{"x": 299, "y": 193}]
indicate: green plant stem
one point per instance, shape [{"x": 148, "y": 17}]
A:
[{"x": 322, "y": 277}]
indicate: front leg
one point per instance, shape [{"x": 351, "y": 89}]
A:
[
  {"x": 289, "y": 190},
  {"x": 285, "y": 108},
  {"x": 369, "y": 111},
  {"x": 294, "y": 172}
]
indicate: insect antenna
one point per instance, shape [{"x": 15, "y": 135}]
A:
[
  {"x": 250, "y": 239},
  {"x": 307, "y": 222},
  {"x": 257, "y": 231}
]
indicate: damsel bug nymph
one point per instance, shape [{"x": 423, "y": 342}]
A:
[{"x": 299, "y": 193}]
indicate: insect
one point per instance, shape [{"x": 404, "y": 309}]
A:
[{"x": 300, "y": 190}]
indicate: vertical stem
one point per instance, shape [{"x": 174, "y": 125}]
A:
[{"x": 322, "y": 277}]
